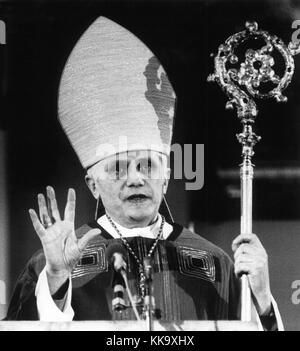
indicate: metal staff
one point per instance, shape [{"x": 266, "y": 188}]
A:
[{"x": 241, "y": 82}]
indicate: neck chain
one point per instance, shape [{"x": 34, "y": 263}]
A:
[{"x": 138, "y": 261}]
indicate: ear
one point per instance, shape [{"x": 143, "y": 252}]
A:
[{"x": 90, "y": 182}]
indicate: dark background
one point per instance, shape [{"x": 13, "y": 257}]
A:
[{"x": 182, "y": 34}]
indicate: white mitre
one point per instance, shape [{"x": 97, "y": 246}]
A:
[{"x": 114, "y": 95}]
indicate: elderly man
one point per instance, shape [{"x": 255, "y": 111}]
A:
[{"x": 116, "y": 106}]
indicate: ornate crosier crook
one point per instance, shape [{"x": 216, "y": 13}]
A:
[{"x": 242, "y": 85}]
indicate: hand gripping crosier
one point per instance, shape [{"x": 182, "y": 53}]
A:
[{"x": 242, "y": 82}]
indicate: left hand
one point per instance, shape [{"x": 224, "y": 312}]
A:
[{"x": 251, "y": 258}]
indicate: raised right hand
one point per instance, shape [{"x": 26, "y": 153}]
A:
[{"x": 61, "y": 247}]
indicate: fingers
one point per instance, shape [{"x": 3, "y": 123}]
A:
[
  {"x": 244, "y": 264},
  {"x": 70, "y": 206},
  {"x": 245, "y": 238},
  {"x": 53, "y": 203},
  {"x": 83, "y": 242},
  {"x": 40, "y": 230},
  {"x": 245, "y": 258},
  {"x": 245, "y": 249},
  {"x": 243, "y": 268},
  {"x": 250, "y": 261},
  {"x": 43, "y": 211}
]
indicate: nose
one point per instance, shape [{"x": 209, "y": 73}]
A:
[{"x": 134, "y": 177}]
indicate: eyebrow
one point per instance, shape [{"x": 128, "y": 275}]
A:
[
  {"x": 114, "y": 163},
  {"x": 148, "y": 158}
]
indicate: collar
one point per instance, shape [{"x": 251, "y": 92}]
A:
[{"x": 150, "y": 231}]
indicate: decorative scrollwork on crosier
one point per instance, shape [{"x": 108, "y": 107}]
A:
[{"x": 242, "y": 84}]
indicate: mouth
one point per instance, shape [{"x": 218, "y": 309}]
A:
[{"x": 137, "y": 198}]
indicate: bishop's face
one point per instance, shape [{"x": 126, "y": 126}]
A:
[{"x": 131, "y": 186}]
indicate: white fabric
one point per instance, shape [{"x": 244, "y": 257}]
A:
[
  {"x": 47, "y": 309},
  {"x": 114, "y": 95},
  {"x": 147, "y": 232}
]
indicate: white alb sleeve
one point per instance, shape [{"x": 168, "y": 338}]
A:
[{"x": 47, "y": 309}]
